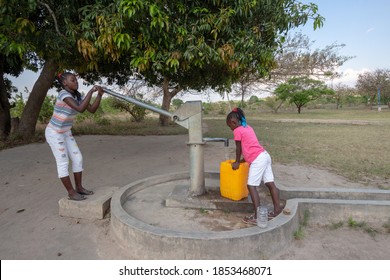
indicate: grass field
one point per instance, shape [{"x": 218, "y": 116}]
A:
[{"x": 359, "y": 152}]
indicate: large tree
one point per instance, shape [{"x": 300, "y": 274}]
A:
[
  {"x": 295, "y": 58},
  {"x": 55, "y": 46},
  {"x": 342, "y": 93},
  {"x": 42, "y": 34},
  {"x": 14, "y": 49},
  {"x": 190, "y": 44},
  {"x": 371, "y": 82},
  {"x": 5, "y": 94},
  {"x": 302, "y": 90}
]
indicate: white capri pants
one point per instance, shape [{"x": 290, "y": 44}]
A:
[
  {"x": 64, "y": 146},
  {"x": 261, "y": 170}
]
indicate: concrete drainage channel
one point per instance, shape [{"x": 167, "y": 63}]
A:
[{"x": 152, "y": 240}]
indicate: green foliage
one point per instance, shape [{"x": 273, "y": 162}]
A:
[
  {"x": 253, "y": 100},
  {"x": 302, "y": 90},
  {"x": 177, "y": 103},
  {"x": 369, "y": 83},
  {"x": 217, "y": 108},
  {"x": 45, "y": 113},
  {"x": 222, "y": 111},
  {"x": 97, "y": 117},
  {"x": 363, "y": 225},
  {"x": 47, "y": 109},
  {"x": 138, "y": 113},
  {"x": 273, "y": 103},
  {"x": 107, "y": 106},
  {"x": 207, "y": 107},
  {"x": 17, "y": 106},
  {"x": 15, "y": 30},
  {"x": 194, "y": 44},
  {"x": 354, "y": 224},
  {"x": 299, "y": 234}
]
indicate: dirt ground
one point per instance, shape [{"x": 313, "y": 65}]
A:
[{"x": 30, "y": 227}]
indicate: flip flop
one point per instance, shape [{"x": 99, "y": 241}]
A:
[
  {"x": 251, "y": 220},
  {"x": 85, "y": 192},
  {"x": 76, "y": 197}
]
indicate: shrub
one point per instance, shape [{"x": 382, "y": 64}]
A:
[
  {"x": 47, "y": 109},
  {"x": 138, "y": 113},
  {"x": 17, "y": 106}
]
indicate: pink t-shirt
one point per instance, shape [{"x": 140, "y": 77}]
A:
[{"x": 250, "y": 146}]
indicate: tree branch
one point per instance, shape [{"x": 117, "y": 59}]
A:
[{"x": 53, "y": 16}]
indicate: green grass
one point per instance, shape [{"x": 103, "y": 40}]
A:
[
  {"x": 358, "y": 152},
  {"x": 299, "y": 233},
  {"x": 359, "y": 226},
  {"x": 354, "y": 224},
  {"x": 316, "y": 114},
  {"x": 362, "y": 225}
]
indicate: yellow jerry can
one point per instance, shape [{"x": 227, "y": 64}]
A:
[{"x": 233, "y": 183}]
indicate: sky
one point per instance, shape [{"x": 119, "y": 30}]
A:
[{"x": 362, "y": 25}]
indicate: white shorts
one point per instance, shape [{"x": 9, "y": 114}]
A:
[
  {"x": 64, "y": 147},
  {"x": 260, "y": 170}
]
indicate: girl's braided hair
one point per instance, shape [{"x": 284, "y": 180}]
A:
[
  {"x": 238, "y": 114},
  {"x": 61, "y": 77}
]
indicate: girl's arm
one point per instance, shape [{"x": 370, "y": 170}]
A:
[
  {"x": 95, "y": 105},
  {"x": 84, "y": 104},
  {"x": 236, "y": 164}
]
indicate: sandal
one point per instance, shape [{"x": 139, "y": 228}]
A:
[
  {"x": 76, "y": 197},
  {"x": 85, "y": 192},
  {"x": 251, "y": 220}
]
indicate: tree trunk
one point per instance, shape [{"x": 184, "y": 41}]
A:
[
  {"x": 34, "y": 103},
  {"x": 243, "y": 92},
  {"x": 5, "y": 115},
  {"x": 166, "y": 103},
  {"x": 276, "y": 109}
]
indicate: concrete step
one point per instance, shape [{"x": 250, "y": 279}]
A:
[{"x": 96, "y": 206}]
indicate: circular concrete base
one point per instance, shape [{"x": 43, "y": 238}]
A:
[
  {"x": 147, "y": 229},
  {"x": 149, "y": 238}
]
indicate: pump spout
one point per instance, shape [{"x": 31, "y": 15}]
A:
[{"x": 225, "y": 140}]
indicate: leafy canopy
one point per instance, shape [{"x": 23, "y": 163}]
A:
[
  {"x": 302, "y": 90},
  {"x": 197, "y": 44},
  {"x": 369, "y": 83}
]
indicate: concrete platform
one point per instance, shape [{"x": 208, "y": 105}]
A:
[
  {"x": 212, "y": 200},
  {"x": 96, "y": 206},
  {"x": 335, "y": 193},
  {"x": 179, "y": 198},
  {"x": 147, "y": 229}
]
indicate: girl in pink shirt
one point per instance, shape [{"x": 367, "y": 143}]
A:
[{"x": 259, "y": 160}]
